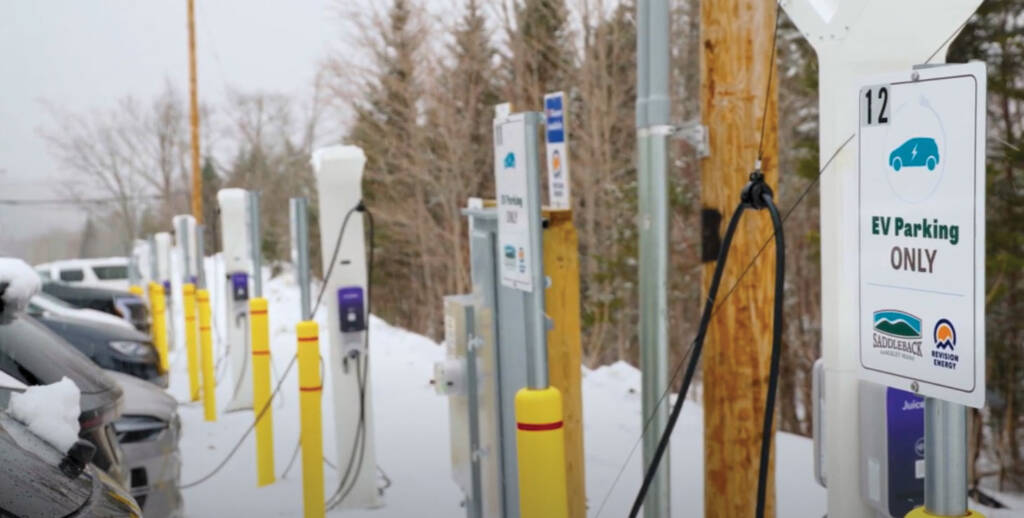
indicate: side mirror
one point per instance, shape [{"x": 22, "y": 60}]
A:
[{"x": 77, "y": 458}]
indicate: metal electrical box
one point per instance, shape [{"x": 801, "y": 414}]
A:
[
  {"x": 509, "y": 340},
  {"x": 467, "y": 377}
]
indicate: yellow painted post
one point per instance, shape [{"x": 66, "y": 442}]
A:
[
  {"x": 158, "y": 308},
  {"x": 310, "y": 432},
  {"x": 540, "y": 445},
  {"x": 206, "y": 347},
  {"x": 920, "y": 512},
  {"x": 189, "y": 292},
  {"x": 259, "y": 331},
  {"x": 565, "y": 354}
]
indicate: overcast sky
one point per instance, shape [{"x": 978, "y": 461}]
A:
[{"x": 84, "y": 55}]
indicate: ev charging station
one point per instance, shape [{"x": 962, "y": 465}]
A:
[
  {"x": 234, "y": 227},
  {"x": 162, "y": 275},
  {"x": 339, "y": 174},
  {"x": 185, "y": 232},
  {"x": 855, "y": 39}
]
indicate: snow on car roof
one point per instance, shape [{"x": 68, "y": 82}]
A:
[{"x": 96, "y": 261}]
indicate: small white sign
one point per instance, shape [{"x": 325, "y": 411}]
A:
[
  {"x": 557, "y": 148},
  {"x": 514, "y": 208},
  {"x": 921, "y": 224}
]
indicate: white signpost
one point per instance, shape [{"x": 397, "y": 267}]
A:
[
  {"x": 921, "y": 224},
  {"x": 557, "y": 149},
  {"x": 514, "y": 202}
]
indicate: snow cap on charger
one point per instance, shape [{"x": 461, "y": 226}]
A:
[{"x": 18, "y": 283}]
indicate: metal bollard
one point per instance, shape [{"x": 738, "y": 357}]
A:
[
  {"x": 311, "y": 433},
  {"x": 206, "y": 347},
  {"x": 259, "y": 331},
  {"x": 189, "y": 292},
  {"x": 158, "y": 308}
]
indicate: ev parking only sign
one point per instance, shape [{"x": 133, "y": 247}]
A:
[
  {"x": 921, "y": 231},
  {"x": 511, "y": 180}
]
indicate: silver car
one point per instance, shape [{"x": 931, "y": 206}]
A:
[{"x": 148, "y": 432}]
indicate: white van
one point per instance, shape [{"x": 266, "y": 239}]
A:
[{"x": 109, "y": 272}]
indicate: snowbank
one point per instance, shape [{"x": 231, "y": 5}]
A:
[
  {"x": 22, "y": 282},
  {"x": 412, "y": 437},
  {"x": 50, "y": 411}
]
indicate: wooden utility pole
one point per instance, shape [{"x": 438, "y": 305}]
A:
[
  {"x": 197, "y": 174},
  {"x": 736, "y": 40}
]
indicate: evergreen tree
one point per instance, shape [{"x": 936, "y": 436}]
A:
[{"x": 541, "y": 52}]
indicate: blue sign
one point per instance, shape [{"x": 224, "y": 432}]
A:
[{"x": 555, "y": 119}]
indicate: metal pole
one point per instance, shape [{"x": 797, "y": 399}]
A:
[
  {"x": 652, "y": 162},
  {"x": 183, "y": 245},
  {"x": 537, "y": 345},
  {"x": 256, "y": 243},
  {"x": 200, "y": 255},
  {"x": 300, "y": 252},
  {"x": 945, "y": 458},
  {"x": 153, "y": 263}
]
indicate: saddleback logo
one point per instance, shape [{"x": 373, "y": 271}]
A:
[
  {"x": 897, "y": 333},
  {"x": 944, "y": 355}
]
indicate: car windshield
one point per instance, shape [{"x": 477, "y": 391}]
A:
[{"x": 36, "y": 356}]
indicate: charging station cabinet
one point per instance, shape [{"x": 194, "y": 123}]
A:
[
  {"x": 339, "y": 175},
  {"x": 466, "y": 376},
  {"x": 234, "y": 227}
]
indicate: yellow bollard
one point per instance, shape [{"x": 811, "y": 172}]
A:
[
  {"x": 540, "y": 443},
  {"x": 189, "y": 292},
  {"x": 310, "y": 391},
  {"x": 919, "y": 512},
  {"x": 158, "y": 308},
  {"x": 206, "y": 347},
  {"x": 259, "y": 331}
]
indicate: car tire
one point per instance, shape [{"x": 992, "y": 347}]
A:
[
  {"x": 930, "y": 163},
  {"x": 897, "y": 163}
]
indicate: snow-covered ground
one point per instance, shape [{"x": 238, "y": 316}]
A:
[{"x": 412, "y": 437}]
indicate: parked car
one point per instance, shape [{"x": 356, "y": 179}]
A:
[
  {"x": 107, "y": 272},
  {"x": 149, "y": 431},
  {"x": 40, "y": 481},
  {"x": 111, "y": 347},
  {"x": 123, "y": 304},
  {"x": 46, "y": 304},
  {"x": 34, "y": 355}
]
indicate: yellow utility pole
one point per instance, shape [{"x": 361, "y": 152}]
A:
[
  {"x": 197, "y": 175},
  {"x": 736, "y": 64}
]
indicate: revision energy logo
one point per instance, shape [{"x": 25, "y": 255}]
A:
[
  {"x": 510, "y": 160},
  {"x": 944, "y": 354},
  {"x": 897, "y": 333}
]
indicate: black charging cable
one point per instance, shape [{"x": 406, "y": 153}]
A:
[{"x": 756, "y": 195}]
